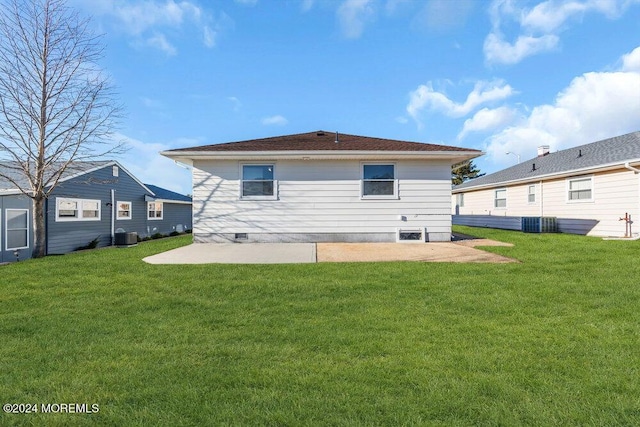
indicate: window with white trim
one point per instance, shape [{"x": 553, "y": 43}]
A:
[
  {"x": 379, "y": 181},
  {"x": 258, "y": 182},
  {"x": 500, "y": 198},
  {"x": 77, "y": 209},
  {"x": 124, "y": 210},
  {"x": 460, "y": 200},
  {"x": 531, "y": 194},
  {"x": 580, "y": 189},
  {"x": 17, "y": 229},
  {"x": 154, "y": 210}
]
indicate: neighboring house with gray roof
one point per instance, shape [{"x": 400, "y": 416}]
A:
[
  {"x": 586, "y": 188},
  {"x": 321, "y": 186},
  {"x": 93, "y": 200}
]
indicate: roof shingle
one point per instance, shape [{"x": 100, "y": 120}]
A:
[
  {"x": 321, "y": 141},
  {"x": 616, "y": 150}
]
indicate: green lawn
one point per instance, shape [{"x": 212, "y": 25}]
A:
[{"x": 553, "y": 340}]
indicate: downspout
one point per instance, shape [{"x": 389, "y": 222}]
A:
[
  {"x": 631, "y": 168},
  {"x": 113, "y": 217},
  {"x": 541, "y": 204}
]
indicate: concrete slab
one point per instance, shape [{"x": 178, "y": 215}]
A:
[
  {"x": 289, "y": 253},
  {"x": 428, "y": 252},
  {"x": 237, "y": 253}
]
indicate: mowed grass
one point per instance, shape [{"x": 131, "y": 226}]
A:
[{"x": 552, "y": 340}]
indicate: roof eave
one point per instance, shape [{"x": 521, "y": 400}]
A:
[
  {"x": 564, "y": 174},
  {"x": 318, "y": 155}
]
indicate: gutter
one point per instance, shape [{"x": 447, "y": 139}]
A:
[{"x": 631, "y": 168}]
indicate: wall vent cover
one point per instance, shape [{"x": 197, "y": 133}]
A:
[{"x": 416, "y": 235}]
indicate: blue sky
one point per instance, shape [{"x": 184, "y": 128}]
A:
[{"x": 500, "y": 76}]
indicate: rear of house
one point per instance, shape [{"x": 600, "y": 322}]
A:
[
  {"x": 587, "y": 189},
  {"x": 321, "y": 186}
]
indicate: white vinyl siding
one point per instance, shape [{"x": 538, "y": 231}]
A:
[
  {"x": 77, "y": 209},
  {"x": 17, "y": 229},
  {"x": 322, "y": 197}
]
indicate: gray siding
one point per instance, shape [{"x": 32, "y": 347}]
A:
[
  {"x": 64, "y": 237},
  {"x": 14, "y": 202},
  {"x": 174, "y": 214}
]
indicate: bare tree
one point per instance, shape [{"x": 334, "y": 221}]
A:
[{"x": 56, "y": 106}]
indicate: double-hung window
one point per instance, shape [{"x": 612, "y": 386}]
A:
[
  {"x": 77, "y": 210},
  {"x": 258, "y": 182},
  {"x": 500, "y": 198},
  {"x": 379, "y": 181},
  {"x": 124, "y": 210},
  {"x": 580, "y": 189},
  {"x": 154, "y": 210},
  {"x": 17, "y": 229},
  {"x": 531, "y": 194}
]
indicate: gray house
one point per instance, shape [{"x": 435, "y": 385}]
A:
[{"x": 92, "y": 202}]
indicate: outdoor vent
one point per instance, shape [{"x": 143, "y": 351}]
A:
[
  {"x": 320, "y": 133},
  {"x": 416, "y": 235},
  {"x": 241, "y": 236}
]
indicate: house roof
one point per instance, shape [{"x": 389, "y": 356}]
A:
[
  {"x": 164, "y": 194},
  {"x": 73, "y": 170},
  {"x": 315, "y": 144},
  {"x": 608, "y": 153}
]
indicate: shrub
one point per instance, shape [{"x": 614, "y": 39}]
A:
[{"x": 91, "y": 245}]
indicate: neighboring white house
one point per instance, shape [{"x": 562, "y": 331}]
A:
[
  {"x": 321, "y": 186},
  {"x": 588, "y": 189}
]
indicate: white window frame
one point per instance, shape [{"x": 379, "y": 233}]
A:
[
  {"x": 118, "y": 210},
  {"x": 79, "y": 208},
  {"x": 534, "y": 194},
  {"x": 495, "y": 198},
  {"x": 568, "y": 191},
  {"x": 6, "y": 228},
  {"x": 460, "y": 200},
  {"x": 394, "y": 196},
  {"x": 273, "y": 196},
  {"x": 161, "y": 211}
]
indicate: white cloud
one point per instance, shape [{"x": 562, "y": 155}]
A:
[
  {"x": 139, "y": 17},
  {"x": 426, "y": 98},
  {"x": 275, "y": 121},
  {"x": 497, "y": 50},
  {"x": 147, "y": 20},
  {"x": 487, "y": 119},
  {"x": 593, "y": 106},
  {"x": 353, "y": 15},
  {"x": 539, "y": 26},
  {"x": 159, "y": 41},
  {"x": 631, "y": 61}
]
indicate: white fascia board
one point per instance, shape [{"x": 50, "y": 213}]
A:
[
  {"x": 177, "y": 202},
  {"x": 10, "y": 192},
  {"x": 573, "y": 172},
  {"x": 319, "y": 155}
]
